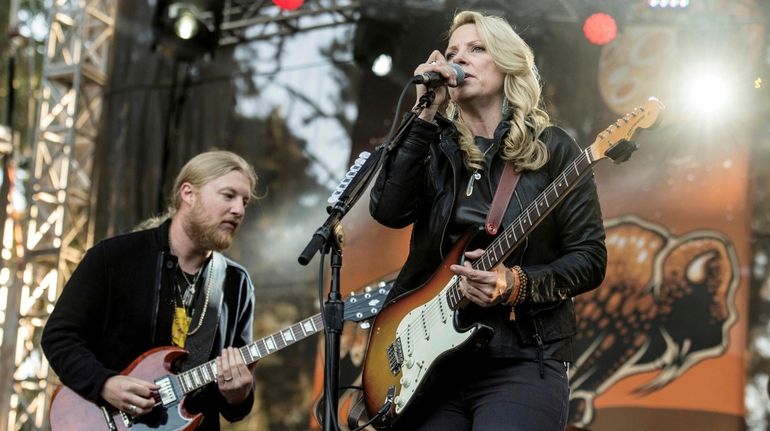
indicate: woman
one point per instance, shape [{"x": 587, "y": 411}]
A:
[{"x": 442, "y": 178}]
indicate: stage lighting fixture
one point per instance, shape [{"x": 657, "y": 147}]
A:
[
  {"x": 382, "y": 65},
  {"x": 288, "y": 4},
  {"x": 374, "y": 45},
  {"x": 600, "y": 28},
  {"x": 187, "y": 30},
  {"x": 708, "y": 93},
  {"x": 668, "y": 4},
  {"x": 186, "y": 23}
]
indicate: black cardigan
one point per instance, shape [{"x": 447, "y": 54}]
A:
[{"x": 107, "y": 315}]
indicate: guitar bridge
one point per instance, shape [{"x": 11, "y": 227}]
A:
[{"x": 395, "y": 356}]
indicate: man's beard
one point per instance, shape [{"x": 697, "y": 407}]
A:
[{"x": 206, "y": 235}]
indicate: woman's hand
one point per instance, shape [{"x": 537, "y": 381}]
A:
[
  {"x": 484, "y": 288},
  {"x": 435, "y": 63}
]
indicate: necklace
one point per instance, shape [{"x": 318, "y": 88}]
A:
[
  {"x": 476, "y": 175},
  {"x": 189, "y": 291}
]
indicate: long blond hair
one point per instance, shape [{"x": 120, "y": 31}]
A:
[
  {"x": 521, "y": 90},
  {"x": 198, "y": 171}
]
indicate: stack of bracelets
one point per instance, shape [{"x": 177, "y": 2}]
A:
[{"x": 518, "y": 296}]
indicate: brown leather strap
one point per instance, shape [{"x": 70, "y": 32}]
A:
[
  {"x": 357, "y": 413},
  {"x": 502, "y": 198}
]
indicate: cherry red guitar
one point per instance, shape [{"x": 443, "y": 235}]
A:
[
  {"x": 420, "y": 328},
  {"x": 70, "y": 412}
]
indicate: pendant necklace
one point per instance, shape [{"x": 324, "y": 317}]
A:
[
  {"x": 189, "y": 292},
  {"x": 476, "y": 175}
]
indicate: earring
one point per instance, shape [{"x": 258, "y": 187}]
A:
[
  {"x": 453, "y": 111},
  {"x": 506, "y": 108}
]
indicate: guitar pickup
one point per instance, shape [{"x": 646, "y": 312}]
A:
[
  {"x": 166, "y": 391},
  {"x": 395, "y": 356}
]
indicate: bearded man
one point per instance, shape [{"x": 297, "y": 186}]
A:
[{"x": 164, "y": 286}]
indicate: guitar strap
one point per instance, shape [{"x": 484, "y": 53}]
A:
[
  {"x": 502, "y": 198},
  {"x": 201, "y": 338},
  {"x": 357, "y": 413}
]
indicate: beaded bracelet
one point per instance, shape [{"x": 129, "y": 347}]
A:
[
  {"x": 521, "y": 293},
  {"x": 524, "y": 286}
]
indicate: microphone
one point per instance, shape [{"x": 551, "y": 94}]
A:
[{"x": 434, "y": 79}]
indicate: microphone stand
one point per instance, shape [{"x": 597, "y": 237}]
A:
[{"x": 333, "y": 309}]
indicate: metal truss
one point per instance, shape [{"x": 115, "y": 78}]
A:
[
  {"x": 249, "y": 20},
  {"x": 58, "y": 228}
]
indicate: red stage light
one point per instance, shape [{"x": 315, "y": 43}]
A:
[
  {"x": 288, "y": 4},
  {"x": 600, "y": 28}
]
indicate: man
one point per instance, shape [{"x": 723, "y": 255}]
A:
[{"x": 155, "y": 287}]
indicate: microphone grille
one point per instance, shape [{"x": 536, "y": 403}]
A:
[{"x": 459, "y": 72}]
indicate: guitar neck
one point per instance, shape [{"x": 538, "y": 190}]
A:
[
  {"x": 517, "y": 231},
  {"x": 202, "y": 375}
]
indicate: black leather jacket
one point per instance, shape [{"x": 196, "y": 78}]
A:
[{"x": 563, "y": 257}]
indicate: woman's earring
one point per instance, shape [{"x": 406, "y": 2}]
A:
[{"x": 506, "y": 108}]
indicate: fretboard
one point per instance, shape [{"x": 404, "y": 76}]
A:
[
  {"x": 202, "y": 375},
  {"x": 517, "y": 231}
]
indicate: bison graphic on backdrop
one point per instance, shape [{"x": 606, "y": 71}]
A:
[{"x": 666, "y": 304}]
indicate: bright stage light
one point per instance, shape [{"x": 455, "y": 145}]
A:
[
  {"x": 668, "y": 4},
  {"x": 186, "y": 24},
  {"x": 600, "y": 28},
  {"x": 708, "y": 94},
  {"x": 288, "y": 4},
  {"x": 382, "y": 65}
]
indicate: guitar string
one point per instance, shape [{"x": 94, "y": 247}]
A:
[
  {"x": 243, "y": 350},
  {"x": 246, "y": 349},
  {"x": 432, "y": 310},
  {"x": 433, "y": 304}
]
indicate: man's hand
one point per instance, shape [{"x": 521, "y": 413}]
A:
[
  {"x": 234, "y": 377},
  {"x": 129, "y": 394}
]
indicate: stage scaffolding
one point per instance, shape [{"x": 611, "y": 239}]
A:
[{"x": 58, "y": 229}]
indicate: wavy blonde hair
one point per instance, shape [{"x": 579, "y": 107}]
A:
[
  {"x": 198, "y": 171},
  {"x": 522, "y": 91}
]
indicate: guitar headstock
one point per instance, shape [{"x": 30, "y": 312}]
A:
[
  {"x": 623, "y": 130},
  {"x": 365, "y": 305}
]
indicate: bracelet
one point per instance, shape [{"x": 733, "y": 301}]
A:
[
  {"x": 501, "y": 287},
  {"x": 518, "y": 295},
  {"x": 524, "y": 286}
]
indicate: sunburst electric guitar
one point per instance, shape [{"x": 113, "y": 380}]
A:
[
  {"x": 410, "y": 335},
  {"x": 71, "y": 412}
]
